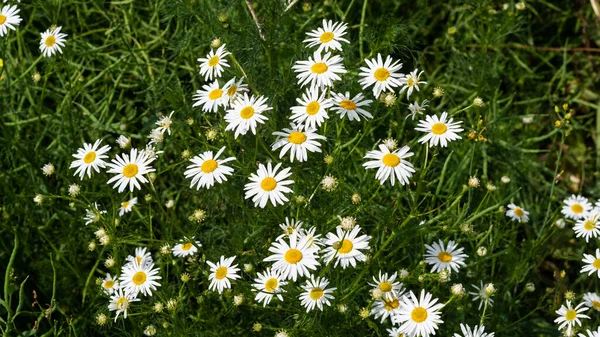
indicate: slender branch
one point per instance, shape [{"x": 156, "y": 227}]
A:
[
  {"x": 261, "y": 31},
  {"x": 521, "y": 46},
  {"x": 292, "y": 4}
]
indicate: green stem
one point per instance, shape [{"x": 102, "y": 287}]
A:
[{"x": 362, "y": 26}]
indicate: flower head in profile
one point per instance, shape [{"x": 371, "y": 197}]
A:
[
  {"x": 481, "y": 295},
  {"x": 417, "y": 109},
  {"x": 268, "y": 184},
  {"x": 212, "y": 65},
  {"x": 110, "y": 284},
  {"x": 187, "y": 247},
  {"x": 234, "y": 89},
  {"x": 52, "y": 41},
  {"x": 592, "y": 263},
  {"x": 328, "y": 37},
  {"x": 127, "y": 206}
]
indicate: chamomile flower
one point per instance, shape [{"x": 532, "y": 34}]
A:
[
  {"x": 234, "y": 90},
  {"x": 481, "y": 295},
  {"x": 516, "y": 213},
  {"x": 130, "y": 170},
  {"x": 316, "y": 293},
  {"x": 411, "y": 82},
  {"x": 592, "y": 300},
  {"x": 346, "y": 247},
  {"x": 312, "y": 109},
  {"x": 419, "y": 317},
  {"x": 120, "y": 302},
  {"x": 221, "y": 273},
  {"x": 164, "y": 124},
  {"x": 89, "y": 157},
  {"x": 52, "y": 41},
  {"x": 211, "y": 97},
  {"x": 319, "y": 71},
  {"x": 591, "y": 333},
  {"x": 186, "y": 247},
  {"x": 343, "y": 105},
  {"x": 593, "y": 263},
  {"x": 295, "y": 258},
  {"x": 141, "y": 257},
  {"x": 212, "y": 65},
  {"x": 439, "y": 130},
  {"x": 450, "y": 257},
  {"x": 298, "y": 141},
  {"x": 417, "y": 109},
  {"x": 268, "y": 184},
  {"x": 94, "y": 214},
  {"x": 110, "y": 284},
  {"x": 395, "y": 332},
  {"x": 383, "y": 76},
  {"x": 127, "y": 206},
  {"x": 246, "y": 113},
  {"x": 388, "y": 285},
  {"x": 576, "y": 207},
  {"x": 289, "y": 227},
  {"x": 309, "y": 234},
  {"x": 267, "y": 285},
  {"x": 206, "y": 169},
  {"x": 139, "y": 277},
  {"x": 569, "y": 316},
  {"x": 587, "y": 227},
  {"x": 328, "y": 37},
  {"x": 385, "y": 307},
  {"x": 477, "y": 331},
  {"x": 9, "y": 18},
  {"x": 392, "y": 165}
]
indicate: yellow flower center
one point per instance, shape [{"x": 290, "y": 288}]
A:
[
  {"x": 385, "y": 286},
  {"x": 382, "y": 74},
  {"x": 215, "y": 94},
  {"x": 313, "y": 107},
  {"x": 89, "y": 157},
  {"x": 418, "y": 314},
  {"x": 439, "y": 128},
  {"x": 232, "y": 90},
  {"x": 571, "y": 315},
  {"x": 3, "y": 20},
  {"x": 138, "y": 259},
  {"x": 268, "y": 184},
  {"x": 50, "y": 41},
  {"x": 390, "y": 159},
  {"x": 209, "y": 166},
  {"x": 577, "y": 208},
  {"x": 213, "y": 61},
  {"x": 410, "y": 82},
  {"x": 122, "y": 303},
  {"x": 445, "y": 257},
  {"x": 130, "y": 170},
  {"x": 297, "y": 137},
  {"x": 186, "y": 246},
  {"x": 589, "y": 225},
  {"x": 519, "y": 212},
  {"x": 391, "y": 303},
  {"x": 326, "y": 37},
  {"x": 221, "y": 273},
  {"x": 596, "y": 263},
  {"x": 316, "y": 293},
  {"x": 247, "y": 112},
  {"x": 139, "y": 278},
  {"x": 348, "y": 104},
  {"x": 293, "y": 256},
  {"x": 319, "y": 68},
  {"x": 109, "y": 284},
  {"x": 345, "y": 247},
  {"x": 271, "y": 284},
  {"x": 125, "y": 204},
  {"x": 596, "y": 305}
]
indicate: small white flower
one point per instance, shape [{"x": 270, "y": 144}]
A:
[
  {"x": 516, "y": 213},
  {"x": 439, "y": 130},
  {"x": 52, "y": 41},
  {"x": 127, "y": 206},
  {"x": 246, "y": 113},
  {"x": 411, "y": 82},
  {"x": 48, "y": 169},
  {"x": 164, "y": 124},
  {"x": 268, "y": 184},
  {"x": 212, "y": 65},
  {"x": 298, "y": 140},
  {"x": 316, "y": 293},
  {"x": 343, "y": 104},
  {"x": 569, "y": 316},
  {"x": 120, "y": 302},
  {"x": 319, "y": 71},
  {"x": 382, "y": 75},
  {"x": 328, "y": 37},
  {"x": 74, "y": 190},
  {"x": 221, "y": 273},
  {"x": 593, "y": 263},
  {"x": 417, "y": 109},
  {"x": 9, "y": 18}
]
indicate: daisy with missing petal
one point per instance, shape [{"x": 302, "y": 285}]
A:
[
  {"x": 439, "y": 130},
  {"x": 164, "y": 124},
  {"x": 207, "y": 169},
  {"x": 221, "y": 273},
  {"x": 592, "y": 300},
  {"x": 477, "y": 331},
  {"x": 313, "y": 239},
  {"x": 297, "y": 141},
  {"x": 411, "y": 82},
  {"x": 94, "y": 214},
  {"x": 569, "y": 316},
  {"x": 51, "y": 41},
  {"x": 388, "y": 285},
  {"x": 89, "y": 157},
  {"x": 186, "y": 247},
  {"x": 141, "y": 256},
  {"x": 312, "y": 109},
  {"x": 295, "y": 258},
  {"x": 246, "y": 113},
  {"x": 385, "y": 307},
  {"x": 346, "y": 246},
  {"x": 130, "y": 170},
  {"x": 267, "y": 285},
  {"x": 419, "y": 317},
  {"x": 289, "y": 227},
  {"x": 587, "y": 227},
  {"x": 481, "y": 296},
  {"x": 343, "y": 105},
  {"x": 516, "y": 213},
  {"x": 591, "y": 333},
  {"x": 383, "y": 76},
  {"x": 593, "y": 263},
  {"x": 316, "y": 293},
  {"x": 327, "y": 37},
  {"x": 110, "y": 285},
  {"x": 212, "y": 65},
  {"x": 445, "y": 258},
  {"x": 139, "y": 277},
  {"x": 9, "y": 18},
  {"x": 120, "y": 302},
  {"x": 268, "y": 184},
  {"x": 417, "y": 109},
  {"x": 234, "y": 90},
  {"x": 319, "y": 71},
  {"x": 392, "y": 165},
  {"x": 576, "y": 207},
  {"x": 127, "y": 206},
  {"x": 211, "y": 97}
]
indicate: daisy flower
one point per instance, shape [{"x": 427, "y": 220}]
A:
[
  {"x": 587, "y": 227},
  {"x": 569, "y": 316},
  {"x": 9, "y": 18},
  {"x": 246, "y": 113},
  {"x": 267, "y": 285},
  {"x": 213, "y": 64},
  {"x": 451, "y": 257},
  {"x": 311, "y": 111},
  {"x": 411, "y": 82},
  {"x": 593, "y": 263},
  {"x": 419, "y": 316},
  {"x": 206, "y": 169},
  {"x": 221, "y": 272},
  {"x": 319, "y": 71},
  {"x": 234, "y": 90},
  {"x": 89, "y": 157},
  {"x": 477, "y": 331},
  {"x": 313, "y": 239},
  {"x": 316, "y": 293},
  {"x": 120, "y": 302},
  {"x": 351, "y": 106},
  {"x": 576, "y": 207},
  {"x": 164, "y": 124},
  {"x": 129, "y": 169},
  {"x": 385, "y": 307},
  {"x": 51, "y": 41},
  {"x": 110, "y": 285},
  {"x": 346, "y": 247},
  {"x": 439, "y": 131},
  {"x": 267, "y": 184},
  {"x": 592, "y": 300},
  {"x": 139, "y": 277},
  {"x": 388, "y": 285},
  {"x": 127, "y": 206},
  {"x": 591, "y": 333},
  {"x": 417, "y": 109},
  {"x": 481, "y": 296},
  {"x": 516, "y": 213},
  {"x": 94, "y": 214},
  {"x": 382, "y": 75},
  {"x": 210, "y": 97},
  {"x": 186, "y": 247},
  {"x": 328, "y": 37},
  {"x": 141, "y": 256},
  {"x": 289, "y": 227},
  {"x": 395, "y": 332},
  {"x": 392, "y": 165},
  {"x": 297, "y": 142},
  {"x": 295, "y": 258}
]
